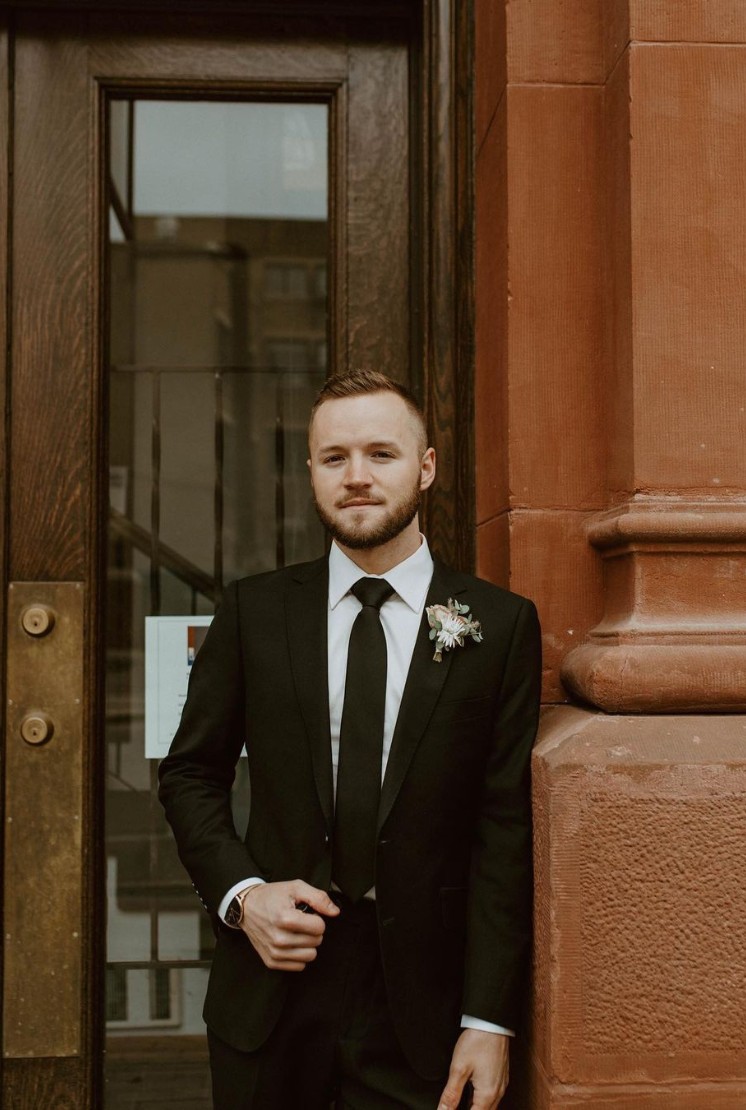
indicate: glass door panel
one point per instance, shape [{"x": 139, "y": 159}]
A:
[{"x": 217, "y": 342}]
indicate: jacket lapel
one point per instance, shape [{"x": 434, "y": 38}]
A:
[
  {"x": 306, "y": 605},
  {"x": 425, "y": 681}
]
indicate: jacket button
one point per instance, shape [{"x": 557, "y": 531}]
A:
[{"x": 326, "y": 839}]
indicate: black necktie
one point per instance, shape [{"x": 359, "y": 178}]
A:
[{"x": 361, "y": 744}]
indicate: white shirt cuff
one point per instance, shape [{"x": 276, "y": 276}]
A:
[
  {"x": 485, "y": 1026},
  {"x": 234, "y": 890}
]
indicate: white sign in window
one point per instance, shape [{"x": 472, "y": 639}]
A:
[{"x": 171, "y": 646}]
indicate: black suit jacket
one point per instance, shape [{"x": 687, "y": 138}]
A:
[{"x": 453, "y": 868}]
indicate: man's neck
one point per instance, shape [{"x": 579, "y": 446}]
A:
[{"x": 379, "y": 560}]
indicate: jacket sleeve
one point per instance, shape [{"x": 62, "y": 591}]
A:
[
  {"x": 501, "y": 882},
  {"x": 197, "y": 774}
]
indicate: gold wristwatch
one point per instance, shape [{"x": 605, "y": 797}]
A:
[{"x": 234, "y": 913}]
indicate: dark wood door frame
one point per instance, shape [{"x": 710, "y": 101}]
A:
[
  {"x": 442, "y": 342},
  {"x": 442, "y": 304}
]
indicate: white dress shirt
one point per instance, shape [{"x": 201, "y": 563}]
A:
[{"x": 401, "y": 615}]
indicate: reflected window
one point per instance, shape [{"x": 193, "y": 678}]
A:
[
  {"x": 217, "y": 344},
  {"x": 284, "y": 279}
]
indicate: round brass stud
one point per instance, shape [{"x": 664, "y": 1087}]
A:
[
  {"x": 37, "y": 728},
  {"x": 37, "y": 620}
]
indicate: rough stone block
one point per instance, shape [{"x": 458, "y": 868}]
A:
[{"x": 640, "y": 976}]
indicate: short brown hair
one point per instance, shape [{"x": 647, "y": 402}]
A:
[{"x": 356, "y": 382}]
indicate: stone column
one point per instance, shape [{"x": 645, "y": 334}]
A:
[
  {"x": 620, "y": 506},
  {"x": 673, "y": 635}
]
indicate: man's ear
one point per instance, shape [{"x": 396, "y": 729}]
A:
[{"x": 427, "y": 469}]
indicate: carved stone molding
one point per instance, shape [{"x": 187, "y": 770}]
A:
[{"x": 673, "y": 634}]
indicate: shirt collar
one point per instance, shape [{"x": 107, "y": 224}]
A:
[{"x": 410, "y": 578}]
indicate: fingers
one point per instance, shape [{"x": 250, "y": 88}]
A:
[
  {"x": 318, "y": 900},
  {"x": 482, "y": 1099},
  {"x": 451, "y": 1097},
  {"x": 298, "y": 924},
  {"x": 287, "y": 949},
  {"x": 454, "y": 1088},
  {"x": 482, "y": 1058},
  {"x": 290, "y": 933},
  {"x": 289, "y": 959},
  {"x": 489, "y": 1099}
]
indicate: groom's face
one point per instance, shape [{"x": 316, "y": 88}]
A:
[{"x": 368, "y": 467}]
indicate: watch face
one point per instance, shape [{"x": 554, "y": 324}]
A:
[{"x": 233, "y": 913}]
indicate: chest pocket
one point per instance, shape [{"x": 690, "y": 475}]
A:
[{"x": 461, "y": 710}]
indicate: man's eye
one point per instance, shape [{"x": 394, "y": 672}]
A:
[
  {"x": 383, "y": 454},
  {"x": 332, "y": 458}
]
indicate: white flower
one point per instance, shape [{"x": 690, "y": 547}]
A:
[
  {"x": 450, "y": 625},
  {"x": 451, "y": 632}
]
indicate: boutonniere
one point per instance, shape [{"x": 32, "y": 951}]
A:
[{"x": 450, "y": 625}]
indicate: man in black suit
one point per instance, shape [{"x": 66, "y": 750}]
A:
[{"x": 373, "y": 927}]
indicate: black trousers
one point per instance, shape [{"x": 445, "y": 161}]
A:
[{"x": 334, "y": 1042}]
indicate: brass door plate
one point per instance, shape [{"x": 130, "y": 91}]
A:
[{"x": 43, "y": 815}]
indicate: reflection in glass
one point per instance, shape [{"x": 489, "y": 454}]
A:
[{"x": 217, "y": 344}]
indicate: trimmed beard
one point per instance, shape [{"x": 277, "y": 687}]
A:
[{"x": 359, "y": 538}]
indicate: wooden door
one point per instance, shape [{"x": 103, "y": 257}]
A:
[{"x": 69, "y": 74}]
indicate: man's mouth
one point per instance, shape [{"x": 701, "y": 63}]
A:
[{"x": 357, "y": 502}]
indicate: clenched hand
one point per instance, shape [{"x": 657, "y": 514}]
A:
[{"x": 285, "y": 937}]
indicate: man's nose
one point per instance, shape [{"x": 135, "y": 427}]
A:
[{"x": 357, "y": 473}]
